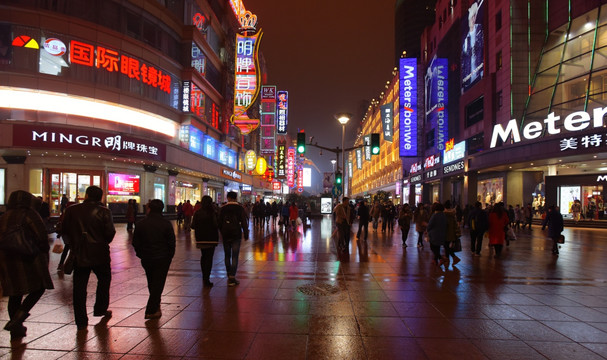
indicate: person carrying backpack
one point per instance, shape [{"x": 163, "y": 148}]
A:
[{"x": 233, "y": 225}]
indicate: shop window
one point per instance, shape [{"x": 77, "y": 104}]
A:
[
  {"x": 579, "y": 45},
  {"x": 539, "y": 100},
  {"x": 2, "y": 186},
  {"x": 551, "y": 57},
  {"x": 556, "y": 37},
  {"x": 490, "y": 191},
  {"x": 35, "y": 182},
  {"x": 601, "y": 39},
  {"x": 474, "y": 112},
  {"x": 498, "y": 20},
  {"x": 499, "y": 100},
  {"x": 583, "y": 24},
  {"x": 546, "y": 78},
  {"x": 571, "y": 90},
  {"x": 133, "y": 24}
]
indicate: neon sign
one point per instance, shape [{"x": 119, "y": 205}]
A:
[
  {"x": 281, "y": 153},
  {"x": 291, "y": 167},
  {"x": 282, "y": 108},
  {"x": 437, "y": 100},
  {"x": 408, "y": 104},
  {"x": 103, "y": 58}
]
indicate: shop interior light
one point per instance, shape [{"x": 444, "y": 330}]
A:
[{"x": 28, "y": 99}]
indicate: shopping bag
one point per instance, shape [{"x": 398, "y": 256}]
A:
[
  {"x": 561, "y": 239},
  {"x": 299, "y": 222},
  {"x": 510, "y": 234},
  {"x": 58, "y": 247}
]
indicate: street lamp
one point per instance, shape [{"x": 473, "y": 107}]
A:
[
  {"x": 343, "y": 119},
  {"x": 333, "y": 161}
]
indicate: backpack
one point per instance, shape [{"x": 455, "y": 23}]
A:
[
  {"x": 15, "y": 240},
  {"x": 230, "y": 226}
]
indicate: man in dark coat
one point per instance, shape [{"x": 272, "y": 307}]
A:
[
  {"x": 89, "y": 229},
  {"x": 478, "y": 223},
  {"x": 233, "y": 224},
  {"x": 154, "y": 243},
  {"x": 555, "y": 223},
  {"x": 363, "y": 218},
  {"x": 23, "y": 275}
]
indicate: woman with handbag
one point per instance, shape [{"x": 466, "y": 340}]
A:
[
  {"x": 554, "y": 220},
  {"x": 24, "y": 258}
]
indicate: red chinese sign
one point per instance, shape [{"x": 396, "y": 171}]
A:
[
  {"x": 291, "y": 167},
  {"x": 111, "y": 61}
]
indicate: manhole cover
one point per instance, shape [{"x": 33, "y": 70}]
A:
[{"x": 318, "y": 289}]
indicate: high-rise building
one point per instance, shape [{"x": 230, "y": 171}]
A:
[{"x": 410, "y": 19}]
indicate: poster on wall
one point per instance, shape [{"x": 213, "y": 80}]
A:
[
  {"x": 122, "y": 184},
  {"x": 326, "y": 205},
  {"x": 436, "y": 99},
  {"x": 472, "y": 57}
]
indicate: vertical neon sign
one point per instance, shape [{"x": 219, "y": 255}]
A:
[
  {"x": 291, "y": 167},
  {"x": 408, "y": 104}
]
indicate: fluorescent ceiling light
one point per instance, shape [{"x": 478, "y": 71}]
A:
[{"x": 28, "y": 99}]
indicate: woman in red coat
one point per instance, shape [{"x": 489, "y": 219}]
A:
[{"x": 498, "y": 222}]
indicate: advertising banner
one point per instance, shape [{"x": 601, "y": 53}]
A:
[
  {"x": 359, "y": 159},
  {"x": 281, "y": 160},
  {"x": 408, "y": 107},
  {"x": 268, "y": 120},
  {"x": 282, "y": 109},
  {"x": 246, "y": 81},
  {"x": 437, "y": 98},
  {"x": 472, "y": 57},
  {"x": 387, "y": 121},
  {"x": 327, "y": 180},
  {"x": 367, "y": 148},
  {"x": 291, "y": 167},
  {"x": 44, "y": 136},
  {"x": 123, "y": 184}
]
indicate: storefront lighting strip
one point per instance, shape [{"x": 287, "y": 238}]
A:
[{"x": 27, "y": 99}]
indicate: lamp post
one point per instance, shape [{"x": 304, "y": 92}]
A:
[{"x": 343, "y": 120}]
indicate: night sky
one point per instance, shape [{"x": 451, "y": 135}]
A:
[{"x": 331, "y": 55}]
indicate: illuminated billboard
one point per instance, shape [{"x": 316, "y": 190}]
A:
[
  {"x": 123, "y": 184},
  {"x": 437, "y": 100},
  {"x": 387, "y": 121},
  {"x": 247, "y": 78},
  {"x": 408, "y": 107},
  {"x": 473, "y": 54},
  {"x": 282, "y": 110},
  {"x": 307, "y": 177},
  {"x": 268, "y": 120}
]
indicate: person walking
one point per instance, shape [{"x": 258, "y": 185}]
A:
[
  {"x": 293, "y": 214},
  {"x": 23, "y": 275},
  {"x": 518, "y": 217},
  {"x": 188, "y": 212},
  {"x": 404, "y": 222},
  {"x": 453, "y": 232},
  {"x": 385, "y": 214},
  {"x": 421, "y": 218},
  {"x": 437, "y": 232},
  {"x": 528, "y": 215},
  {"x": 375, "y": 213},
  {"x": 64, "y": 201},
  {"x": 89, "y": 229},
  {"x": 130, "y": 214},
  {"x": 555, "y": 223},
  {"x": 343, "y": 216},
  {"x": 233, "y": 224},
  {"x": 478, "y": 224},
  {"x": 498, "y": 221},
  {"x": 363, "y": 218},
  {"x": 206, "y": 227},
  {"x": 154, "y": 243}
]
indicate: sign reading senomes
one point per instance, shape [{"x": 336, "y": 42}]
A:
[{"x": 408, "y": 105}]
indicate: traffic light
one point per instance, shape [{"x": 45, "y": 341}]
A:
[
  {"x": 374, "y": 144},
  {"x": 338, "y": 178},
  {"x": 301, "y": 143}
]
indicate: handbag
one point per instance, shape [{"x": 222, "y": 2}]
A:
[
  {"x": 456, "y": 246},
  {"x": 15, "y": 241},
  {"x": 57, "y": 247},
  {"x": 561, "y": 239}
]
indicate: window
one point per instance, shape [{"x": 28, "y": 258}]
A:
[
  {"x": 498, "y": 60},
  {"x": 499, "y": 100},
  {"x": 474, "y": 112},
  {"x": 475, "y": 144},
  {"x": 498, "y": 20}
]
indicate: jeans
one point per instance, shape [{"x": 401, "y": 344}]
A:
[
  {"x": 102, "y": 295},
  {"x": 206, "y": 262},
  {"x": 344, "y": 235},
  {"x": 156, "y": 271},
  {"x": 405, "y": 233},
  {"x": 363, "y": 224},
  {"x": 231, "y": 248}
]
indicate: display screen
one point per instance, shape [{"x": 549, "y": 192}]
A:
[
  {"x": 123, "y": 184},
  {"x": 436, "y": 85},
  {"x": 408, "y": 107},
  {"x": 473, "y": 54},
  {"x": 326, "y": 205}
]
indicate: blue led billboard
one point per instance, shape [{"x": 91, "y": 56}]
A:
[
  {"x": 408, "y": 107},
  {"x": 437, "y": 100}
]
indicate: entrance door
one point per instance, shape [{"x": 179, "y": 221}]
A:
[{"x": 72, "y": 184}]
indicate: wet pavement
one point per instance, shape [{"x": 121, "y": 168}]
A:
[{"x": 299, "y": 299}]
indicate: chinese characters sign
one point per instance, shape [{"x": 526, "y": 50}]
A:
[
  {"x": 282, "y": 110},
  {"x": 408, "y": 105},
  {"x": 367, "y": 142},
  {"x": 359, "y": 159},
  {"x": 281, "y": 161},
  {"x": 268, "y": 119},
  {"x": 437, "y": 100},
  {"x": 291, "y": 167},
  {"x": 387, "y": 120},
  {"x": 111, "y": 61},
  {"x": 246, "y": 81},
  {"x": 586, "y": 142},
  {"x": 85, "y": 140}
]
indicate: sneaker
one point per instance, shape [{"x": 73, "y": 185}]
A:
[{"x": 233, "y": 282}]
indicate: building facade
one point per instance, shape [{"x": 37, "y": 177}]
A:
[{"x": 135, "y": 97}]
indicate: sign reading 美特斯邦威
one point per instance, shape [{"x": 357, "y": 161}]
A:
[
  {"x": 436, "y": 85},
  {"x": 408, "y": 106}
]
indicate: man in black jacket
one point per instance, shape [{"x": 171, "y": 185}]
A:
[
  {"x": 89, "y": 229},
  {"x": 154, "y": 243},
  {"x": 233, "y": 223},
  {"x": 363, "y": 218},
  {"x": 478, "y": 224}
]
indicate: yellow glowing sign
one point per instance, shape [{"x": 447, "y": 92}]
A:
[
  {"x": 261, "y": 167},
  {"x": 250, "y": 159}
]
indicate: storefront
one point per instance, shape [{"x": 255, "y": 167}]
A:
[
  {"x": 432, "y": 180},
  {"x": 588, "y": 191},
  {"x": 187, "y": 190}
]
